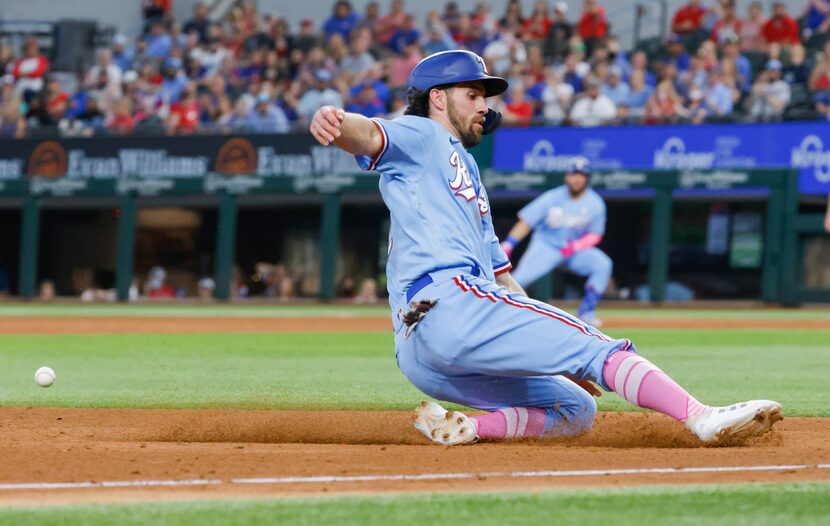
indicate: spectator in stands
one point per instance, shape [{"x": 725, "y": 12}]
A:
[
  {"x": 555, "y": 97},
  {"x": 211, "y": 55},
  {"x": 743, "y": 68},
  {"x": 827, "y": 217},
  {"x": 121, "y": 56},
  {"x": 751, "y": 26},
  {"x": 688, "y": 20},
  {"x": 371, "y": 17},
  {"x": 401, "y": 65},
  {"x": 781, "y": 28},
  {"x": 307, "y": 38},
  {"x": 676, "y": 53},
  {"x": 593, "y": 108},
  {"x": 664, "y": 105},
  {"x": 518, "y": 111},
  {"x": 183, "y": 118},
  {"x": 637, "y": 98},
  {"x": 537, "y": 26},
  {"x": 504, "y": 51},
  {"x": 797, "y": 71},
  {"x": 697, "y": 110},
  {"x": 156, "y": 286},
  {"x": 367, "y": 102},
  {"x": 359, "y": 60},
  {"x": 159, "y": 42},
  {"x": 717, "y": 95},
  {"x": 30, "y": 70},
  {"x": 639, "y": 62},
  {"x": 342, "y": 20},
  {"x": 616, "y": 89},
  {"x": 266, "y": 117},
  {"x": 819, "y": 81},
  {"x": 320, "y": 95},
  {"x": 205, "y": 288},
  {"x": 12, "y": 123},
  {"x": 121, "y": 120},
  {"x": 112, "y": 88},
  {"x": 572, "y": 72},
  {"x": 199, "y": 23},
  {"x": 437, "y": 40},
  {"x": 405, "y": 35},
  {"x": 556, "y": 43},
  {"x": 389, "y": 23},
  {"x": 484, "y": 18},
  {"x": 816, "y": 17},
  {"x": 56, "y": 100},
  {"x": 728, "y": 25},
  {"x": 6, "y": 59},
  {"x": 770, "y": 95},
  {"x": 173, "y": 82},
  {"x": 513, "y": 17},
  {"x": 92, "y": 117},
  {"x": 593, "y": 26}
]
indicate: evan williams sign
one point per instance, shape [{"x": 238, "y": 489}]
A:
[{"x": 48, "y": 159}]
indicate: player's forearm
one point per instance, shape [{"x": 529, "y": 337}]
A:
[
  {"x": 506, "y": 280},
  {"x": 358, "y": 135},
  {"x": 519, "y": 231},
  {"x": 591, "y": 239}
]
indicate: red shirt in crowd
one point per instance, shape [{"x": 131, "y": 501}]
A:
[
  {"x": 732, "y": 27},
  {"x": 689, "y": 13},
  {"x": 783, "y": 30},
  {"x": 537, "y": 28},
  {"x": 121, "y": 124},
  {"x": 522, "y": 110},
  {"x": 30, "y": 67},
  {"x": 593, "y": 24},
  {"x": 188, "y": 113}
]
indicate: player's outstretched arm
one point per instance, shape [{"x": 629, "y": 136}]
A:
[
  {"x": 351, "y": 132},
  {"x": 519, "y": 231}
]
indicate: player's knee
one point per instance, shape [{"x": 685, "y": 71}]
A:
[
  {"x": 580, "y": 413},
  {"x": 605, "y": 264}
]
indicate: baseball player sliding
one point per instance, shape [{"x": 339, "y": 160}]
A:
[
  {"x": 569, "y": 222},
  {"x": 465, "y": 331}
]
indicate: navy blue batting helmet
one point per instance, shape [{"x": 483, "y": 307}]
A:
[
  {"x": 580, "y": 165},
  {"x": 452, "y": 67}
]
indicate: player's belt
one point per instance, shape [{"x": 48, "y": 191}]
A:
[{"x": 419, "y": 284}]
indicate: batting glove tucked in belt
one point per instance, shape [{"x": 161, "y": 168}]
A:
[{"x": 417, "y": 311}]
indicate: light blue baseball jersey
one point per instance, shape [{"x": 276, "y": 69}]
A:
[
  {"x": 440, "y": 214},
  {"x": 559, "y": 219},
  {"x": 480, "y": 345}
]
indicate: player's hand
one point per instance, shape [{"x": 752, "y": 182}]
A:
[
  {"x": 569, "y": 250},
  {"x": 417, "y": 311},
  {"x": 508, "y": 249},
  {"x": 325, "y": 125}
]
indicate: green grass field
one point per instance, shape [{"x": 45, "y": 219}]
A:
[
  {"x": 358, "y": 371},
  {"x": 736, "y": 505}
]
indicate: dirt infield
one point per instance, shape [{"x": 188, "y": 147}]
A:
[
  {"x": 295, "y": 448},
  {"x": 172, "y": 325},
  {"x": 64, "y": 455}
]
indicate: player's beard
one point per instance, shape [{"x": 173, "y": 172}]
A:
[{"x": 466, "y": 134}]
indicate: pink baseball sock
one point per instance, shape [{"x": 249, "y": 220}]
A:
[
  {"x": 511, "y": 422},
  {"x": 643, "y": 384}
]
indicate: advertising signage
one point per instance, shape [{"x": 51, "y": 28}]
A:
[{"x": 698, "y": 148}]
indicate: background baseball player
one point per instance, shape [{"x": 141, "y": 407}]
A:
[
  {"x": 568, "y": 223},
  {"x": 464, "y": 329}
]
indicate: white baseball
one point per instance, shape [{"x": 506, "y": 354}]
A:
[{"x": 45, "y": 376}]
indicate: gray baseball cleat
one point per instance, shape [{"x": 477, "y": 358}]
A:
[
  {"x": 449, "y": 428},
  {"x": 742, "y": 420}
]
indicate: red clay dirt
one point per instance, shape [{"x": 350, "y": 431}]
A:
[
  {"x": 65, "y": 445},
  {"x": 171, "y": 325}
]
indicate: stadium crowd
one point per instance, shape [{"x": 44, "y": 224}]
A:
[{"x": 253, "y": 72}]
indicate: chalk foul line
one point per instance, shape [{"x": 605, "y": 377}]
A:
[{"x": 388, "y": 478}]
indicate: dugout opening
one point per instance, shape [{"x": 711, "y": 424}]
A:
[
  {"x": 9, "y": 251},
  {"x": 77, "y": 249},
  {"x": 179, "y": 240}
]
